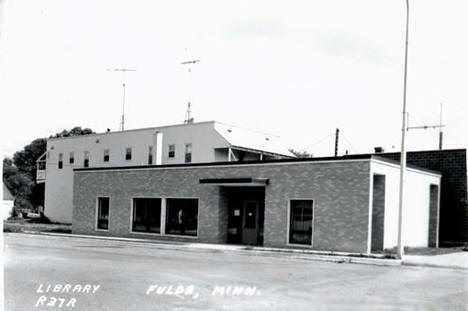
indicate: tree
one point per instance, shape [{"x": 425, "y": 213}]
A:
[
  {"x": 19, "y": 183},
  {"x": 76, "y": 131},
  {"x": 301, "y": 154},
  {"x": 25, "y": 160},
  {"x": 19, "y": 173}
]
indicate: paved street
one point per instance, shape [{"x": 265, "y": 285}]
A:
[{"x": 84, "y": 274}]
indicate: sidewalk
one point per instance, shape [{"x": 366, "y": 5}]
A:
[
  {"x": 303, "y": 254},
  {"x": 453, "y": 260}
]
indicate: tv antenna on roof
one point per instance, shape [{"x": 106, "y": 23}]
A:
[
  {"x": 188, "y": 116},
  {"x": 425, "y": 127},
  {"x": 123, "y": 70}
]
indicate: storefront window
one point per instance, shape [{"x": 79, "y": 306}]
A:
[
  {"x": 182, "y": 216},
  {"x": 146, "y": 215}
]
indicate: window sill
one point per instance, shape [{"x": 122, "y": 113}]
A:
[
  {"x": 299, "y": 245},
  {"x": 145, "y": 233},
  {"x": 181, "y": 236}
]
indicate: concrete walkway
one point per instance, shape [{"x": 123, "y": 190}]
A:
[{"x": 454, "y": 260}]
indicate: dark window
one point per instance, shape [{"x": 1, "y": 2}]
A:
[
  {"x": 146, "y": 215},
  {"x": 182, "y": 216},
  {"x": 60, "y": 160},
  {"x": 188, "y": 153},
  {"x": 72, "y": 157},
  {"x": 150, "y": 154},
  {"x": 300, "y": 230},
  {"x": 103, "y": 214},
  {"x": 86, "y": 159},
  {"x": 171, "y": 151},
  {"x": 128, "y": 154},
  {"x": 106, "y": 155}
]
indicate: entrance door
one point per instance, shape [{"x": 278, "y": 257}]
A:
[{"x": 250, "y": 222}]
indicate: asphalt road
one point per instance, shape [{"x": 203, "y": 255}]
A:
[{"x": 62, "y": 273}]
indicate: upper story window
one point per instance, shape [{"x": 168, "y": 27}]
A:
[
  {"x": 188, "y": 153},
  {"x": 150, "y": 154},
  {"x": 60, "y": 160},
  {"x": 86, "y": 159},
  {"x": 128, "y": 154},
  {"x": 171, "y": 153},
  {"x": 106, "y": 155},
  {"x": 71, "y": 158}
]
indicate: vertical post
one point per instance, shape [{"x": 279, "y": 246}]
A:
[
  {"x": 400, "y": 246},
  {"x": 229, "y": 154},
  {"x": 163, "y": 216},
  {"x": 441, "y": 134},
  {"x": 123, "y": 107},
  {"x": 337, "y": 135},
  {"x": 158, "y": 146}
]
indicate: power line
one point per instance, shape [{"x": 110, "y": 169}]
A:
[
  {"x": 318, "y": 141},
  {"x": 349, "y": 142}
]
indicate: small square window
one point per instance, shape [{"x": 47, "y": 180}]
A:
[
  {"x": 60, "y": 160},
  {"x": 72, "y": 158},
  {"x": 150, "y": 154},
  {"x": 171, "y": 151},
  {"x": 106, "y": 155},
  {"x": 86, "y": 159},
  {"x": 128, "y": 154},
  {"x": 188, "y": 153}
]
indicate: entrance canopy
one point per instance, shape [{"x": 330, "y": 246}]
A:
[{"x": 244, "y": 182}]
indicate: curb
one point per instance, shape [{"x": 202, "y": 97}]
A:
[
  {"x": 337, "y": 257},
  {"x": 432, "y": 265}
]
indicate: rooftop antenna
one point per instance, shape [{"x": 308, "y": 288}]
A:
[
  {"x": 123, "y": 70},
  {"x": 425, "y": 127},
  {"x": 188, "y": 114}
]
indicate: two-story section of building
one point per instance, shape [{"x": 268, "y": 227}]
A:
[{"x": 175, "y": 144}]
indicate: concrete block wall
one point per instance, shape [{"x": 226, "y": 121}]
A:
[
  {"x": 340, "y": 191},
  {"x": 453, "y": 193}
]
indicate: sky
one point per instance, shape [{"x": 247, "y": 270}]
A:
[{"x": 297, "y": 69}]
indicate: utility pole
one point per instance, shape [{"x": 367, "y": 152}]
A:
[
  {"x": 441, "y": 134},
  {"x": 188, "y": 118},
  {"x": 400, "y": 247},
  {"x": 337, "y": 135},
  {"x": 123, "y": 70}
]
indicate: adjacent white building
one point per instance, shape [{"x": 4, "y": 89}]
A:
[{"x": 175, "y": 144}]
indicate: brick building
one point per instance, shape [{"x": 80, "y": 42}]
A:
[
  {"x": 336, "y": 204},
  {"x": 452, "y": 163}
]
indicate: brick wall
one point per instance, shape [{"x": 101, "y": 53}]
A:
[
  {"x": 340, "y": 191},
  {"x": 453, "y": 196}
]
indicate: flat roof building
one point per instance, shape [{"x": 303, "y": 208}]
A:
[
  {"x": 184, "y": 143},
  {"x": 345, "y": 204}
]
